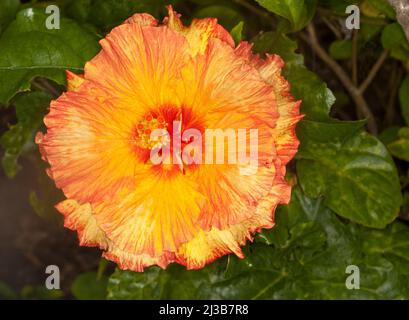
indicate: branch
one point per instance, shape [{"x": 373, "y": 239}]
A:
[
  {"x": 343, "y": 77},
  {"x": 333, "y": 28},
  {"x": 355, "y": 57},
  {"x": 374, "y": 70},
  {"x": 44, "y": 85}
]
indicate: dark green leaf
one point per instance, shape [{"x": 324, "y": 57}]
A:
[
  {"x": 87, "y": 287},
  {"x": 29, "y": 49},
  {"x": 7, "y": 293},
  {"x": 394, "y": 39},
  {"x": 351, "y": 169},
  {"x": 389, "y": 135},
  {"x": 298, "y": 12},
  {"x": 173, "y": 283},
  {"x": 368, "y": 32},
  {"x": 382, "y": 7},
  {"x": 237, "y": 32},
  {"x": 400, "y": 147},
  {"x": 40, "y": 293},
  {"x": 8, "y": 10},
  {"x": 30, "y": 109},
  {"x": 341, "y": 49}
]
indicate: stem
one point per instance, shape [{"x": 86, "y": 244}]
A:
[
  {"x": 103, "y": 263},
  {"x": 44, "y": 85},
  {"x": 346, "y": 81},
  {"x": 355, "y": 57},
  {"x": 374, "y": 70},
  {"x": 333, "y": 28}
]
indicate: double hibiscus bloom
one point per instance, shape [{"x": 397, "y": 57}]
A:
[{"x": 147, "y": 76}]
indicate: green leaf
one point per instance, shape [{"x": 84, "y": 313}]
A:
[
  {"x": 309, "y": 262},
  {"x": 316, "y": 98},
  {"x": 298, "y": 12},
  {"x": 382, "y": 7},
  {"x": 173, "y": 283},
  {"x": 351, "y": 169},
  {"x": 341, "y": 49},
  {"x": 6, "y": 292},
  {"x": 389, "y": 135},
  {"x": 88, "y": 287},
  {"x": 394, "y": 39},
  {"x": 323, "y": 277},
  {"x": 237, "y": 32},
  {"x": 400, "y": 147},
  {"x": 30, "y": 110},
  {"x": 40, "y": 293},
  {"x": 106, "y": 14},
  {"x": 8, "y": 10},
  {"x": 404, "y": 99},
  {"x": 55, "y": 51},
  {"x": 367, "y": 33},
  {"x": 281, "y": 44}
]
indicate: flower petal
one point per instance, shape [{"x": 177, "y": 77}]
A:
[
  {"x": 74, "y": 81},
  {"x": 79, "y": 217},
  {"x": 199, "y": 32}
]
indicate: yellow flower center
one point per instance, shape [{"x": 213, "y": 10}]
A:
[{"x": 144, "y": 129}]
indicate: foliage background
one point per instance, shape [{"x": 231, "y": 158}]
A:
[{"x": 350, "y": 203}]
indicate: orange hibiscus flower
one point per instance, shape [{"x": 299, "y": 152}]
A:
[{"x": 147, "y": 77}]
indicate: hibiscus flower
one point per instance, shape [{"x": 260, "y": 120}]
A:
[{"x": 149, "y": 76}]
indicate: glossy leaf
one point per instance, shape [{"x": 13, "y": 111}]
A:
[
  {"x": 28, "y": 49},
  {"x": 8, "y": 10},
  {"x": 400, "y": 147},
  {"x": 351, "y": 169},
  {"x": 237, "y": 32},
  {"x": 173, "y": 283},
  {"x": 88, "y": 287},
  {"x": 298, "y": 12},
  {"x": 394, "y": 39}
]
